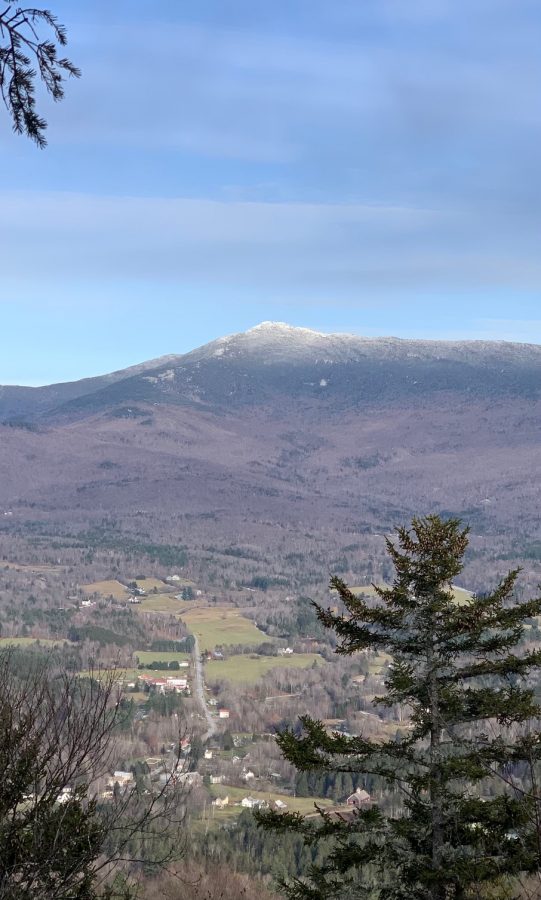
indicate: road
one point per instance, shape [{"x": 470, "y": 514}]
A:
[{"x": 199, "y": 691}]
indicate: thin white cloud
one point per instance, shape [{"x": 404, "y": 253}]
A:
[{"x": 343, "y": 248}]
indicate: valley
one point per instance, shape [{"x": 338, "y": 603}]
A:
[{"x": 171, "y": 524}]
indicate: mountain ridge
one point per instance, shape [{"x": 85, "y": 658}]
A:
[
  {"x": 287, "y": 437},
  {"x": 236, "y": 368}
]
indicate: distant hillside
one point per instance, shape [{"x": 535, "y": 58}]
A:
[{"x": 279, "y": 433}]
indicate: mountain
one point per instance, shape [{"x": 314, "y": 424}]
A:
[
  {"x": 282, "y": 438},
  {"x": 274, "y": 359}
]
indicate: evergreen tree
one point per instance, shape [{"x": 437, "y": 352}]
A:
[
  {"x": 26, "y": 58},
  {"x": 461, "y": 809}
]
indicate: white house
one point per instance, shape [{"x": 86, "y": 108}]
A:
[
  {"x": 253, "y": 803},
  {"x": 223, "y": 713},
  {"x": 123, "y": 779}
]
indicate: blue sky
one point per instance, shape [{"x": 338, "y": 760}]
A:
[{"x": 353, "y": 166}]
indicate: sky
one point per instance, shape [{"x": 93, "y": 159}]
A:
[{"x": 368, "y": 166}]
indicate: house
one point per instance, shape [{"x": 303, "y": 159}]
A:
[
  {"x": 220, "y": 802},
  {"x": 134, "y": 599},
  {"x": 285, "y": 651},
  {"x": 155, "y": 764},
  {"x": 207, "y": 754},
  {"x": 253, "y": 803},
  {"x": 223, "y": 713},
  {"x": 279, "y": 805},
  {"x": 247, "y": 775},
  {"x": 173, "y": 578},
  {"x": 217, "y": 779},
  {"x": 123, "y": 779},
  {"x": 176, "y": 684},
  {"x": 359, "y": 799},
  {"x": 87, "y": 603}
]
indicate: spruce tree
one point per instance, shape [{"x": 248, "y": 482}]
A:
[{"x": 461, "y": 773}]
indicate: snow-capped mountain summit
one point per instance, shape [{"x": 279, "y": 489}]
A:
[
  {"x": 275, "y": 360},
  {"x": 285, "y": 428}
]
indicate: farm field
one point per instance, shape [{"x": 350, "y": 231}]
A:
[
  {"x": 131, "y": 673},
  {"x": 147, "y": 656},
  {"x": 148, "y": 584},
  {"x": 110, "y": 588},
  {"x": 221, "y": 625},
  {"x": 160, "y": 603},
  {"x": 247, "y": 669},
  {"x": 36, "y": 570},
  {"x": 28, "y": 641},
  {"x": 304, "y": 805},
  {"x": 461, "y": 594}
]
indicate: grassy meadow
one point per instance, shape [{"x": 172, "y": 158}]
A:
[
  {"x": 245, "y": 669},
  {"x": 109, "y": 588},
  {"x": 147, "y": 656},
  {"x": 221, "y": 625},
  {"x": 461, "y": 595},
  {"x": 303, "y": 805}
]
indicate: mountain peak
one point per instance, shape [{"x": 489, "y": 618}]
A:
[{"x": 283, "y": 328}]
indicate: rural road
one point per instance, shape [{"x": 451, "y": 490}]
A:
[{"x": 199, "y": 691}]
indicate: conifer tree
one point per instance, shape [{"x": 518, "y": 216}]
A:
[{"x": 463, "y": 765}]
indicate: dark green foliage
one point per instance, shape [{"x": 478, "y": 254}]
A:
[
  {"x": 186, "y": 645},
  {"x": 24, "y": 56},
  {"x": 98, "y": 634},
  {"x": 161, "y": 665},
  {"x": 459, "y": 805},
  {"x": 167, "y": 555},
  {"x": 165, "y": 704}
]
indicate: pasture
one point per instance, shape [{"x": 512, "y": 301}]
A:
[
  {"x": 27, "y": 567},
  {"x": 148, "y": 584},
  {"x": 461, "y": 595},
  {"x": 245, "y": 669},
  {"x": 303, "y": 805},
  {"x": 109, "y": 588},
  {"x": 160, "y": 603},
  {"x": 221, "y": 625},
  {"x": 28, "y": 641},
  {"x": 147, "y": 656}
]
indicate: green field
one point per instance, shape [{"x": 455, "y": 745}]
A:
[
  {"x": 147, "y": 656},
  {"x": 304, "y": 805},
  {"x": 245, "y": 669},
  {"x": 109, "y": 588},
  {"x": 27, "y": 641},
  {"x": 222, "y": 625},
  {"x": 461, "y": 596},
  {"x": 148, "y": 584},
  {"x": 132, "y": 674},
  {"x": 160, "y": 603}
]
